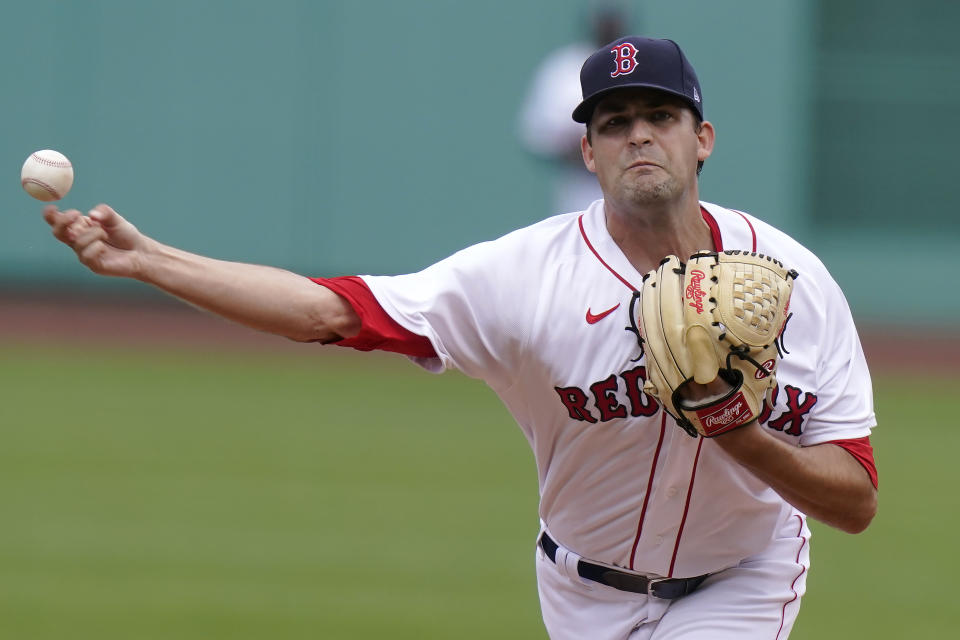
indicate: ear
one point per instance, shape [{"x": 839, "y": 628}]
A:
[
  {"x": 705, "y": 139},
  {"x": 586, "y": 150}
]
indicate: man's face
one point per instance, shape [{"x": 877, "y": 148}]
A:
[{"x": 645, "y": 146}]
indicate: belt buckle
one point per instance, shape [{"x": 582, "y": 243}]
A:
[{"x": 652, "y": 586}]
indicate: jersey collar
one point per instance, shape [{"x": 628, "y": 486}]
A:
[{"x": 593, "y": 229}]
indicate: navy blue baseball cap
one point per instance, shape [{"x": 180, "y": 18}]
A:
[{"x": 637, "y": 62}]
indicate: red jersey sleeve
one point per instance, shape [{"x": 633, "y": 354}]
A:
[
  {"x": 862, "y": 450},
  {"x": 378, "y": 330}
]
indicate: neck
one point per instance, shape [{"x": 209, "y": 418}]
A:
[{"x": 647, "y": 234}]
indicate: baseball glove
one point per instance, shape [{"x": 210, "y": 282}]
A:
[{"x": 713, "y": 321}]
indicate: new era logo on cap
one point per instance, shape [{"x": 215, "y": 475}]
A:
[{"x": 637, "y": 62}]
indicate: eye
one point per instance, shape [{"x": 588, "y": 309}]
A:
[{"x": 661, "y": 115}]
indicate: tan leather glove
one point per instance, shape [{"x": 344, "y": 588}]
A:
[{"x": 713, "y": 321}]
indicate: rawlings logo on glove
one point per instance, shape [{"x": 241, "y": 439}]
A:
[
  {"x": 709, "y": 329},
  {"x": 694, "y": 292}
]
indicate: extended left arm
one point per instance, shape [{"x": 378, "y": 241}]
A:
[{"x": 823, "y": 480}]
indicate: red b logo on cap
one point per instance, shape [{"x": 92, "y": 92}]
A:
[{"x": 625, "y": 59}]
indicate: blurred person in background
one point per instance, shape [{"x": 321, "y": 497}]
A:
[{"x": 544, "y": 125}]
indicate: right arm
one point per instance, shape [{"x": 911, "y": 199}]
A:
[{"x": 260, "y": 297}]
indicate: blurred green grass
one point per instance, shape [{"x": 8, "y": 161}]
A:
[
  {"x": 897, "y": 579},
  {"x": 169, "y": 494}
]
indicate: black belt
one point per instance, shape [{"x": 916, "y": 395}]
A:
[{"x": 666, "y": 588}]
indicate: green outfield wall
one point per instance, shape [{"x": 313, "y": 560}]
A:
[{"x": 377, "y": 137}]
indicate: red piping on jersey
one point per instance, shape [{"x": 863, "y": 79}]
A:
[
  {"x": 715, "y": 230},
  {"x": 714, "y": 235},
  {"x": 686, "y": 508},
  {"x": 609, "y": 268},
  {"x": 793, "y": 587},
  {"x": 752, "y": 230},
  {"x": 646, "y": 497}
]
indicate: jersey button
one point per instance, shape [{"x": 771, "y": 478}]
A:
[{"x": 672, "y": 492}]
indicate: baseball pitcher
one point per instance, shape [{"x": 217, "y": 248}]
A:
[{"x": 689, "y": 377}]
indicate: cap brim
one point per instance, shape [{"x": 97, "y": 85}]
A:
[{"x": 584, "y": 110}]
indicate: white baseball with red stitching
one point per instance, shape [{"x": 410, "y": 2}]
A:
[{"x": 47, "y": 175}]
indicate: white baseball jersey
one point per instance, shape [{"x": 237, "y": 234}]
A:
[{"x": 541, "y": 314}]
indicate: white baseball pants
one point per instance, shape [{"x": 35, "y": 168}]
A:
[{"x": 759, "y": 599}]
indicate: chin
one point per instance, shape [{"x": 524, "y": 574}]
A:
[{"x": 653, "y": 194}]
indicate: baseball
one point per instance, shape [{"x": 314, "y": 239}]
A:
[{"x": 47, "y": 175}]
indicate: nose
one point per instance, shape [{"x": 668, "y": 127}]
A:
[{"x": 640, "y": 132}]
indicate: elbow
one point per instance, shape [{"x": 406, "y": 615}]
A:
[
  {"x": 857, "y": 520},
  {"x": 325, "y": 323},
  {"x": 324, "y": 332},
  {"x": 322, "y": 316},
  {"x": 308, "y": 330}
]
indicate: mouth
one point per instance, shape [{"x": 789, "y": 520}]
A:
[{"x": 643, "y": 164}]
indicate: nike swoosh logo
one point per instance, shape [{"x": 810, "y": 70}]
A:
[{"x": 593, "y": 319}]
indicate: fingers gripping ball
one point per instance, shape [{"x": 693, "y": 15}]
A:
[
  {"x": 709, "y": 328},
  {"x": 47, "y": 175}
]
